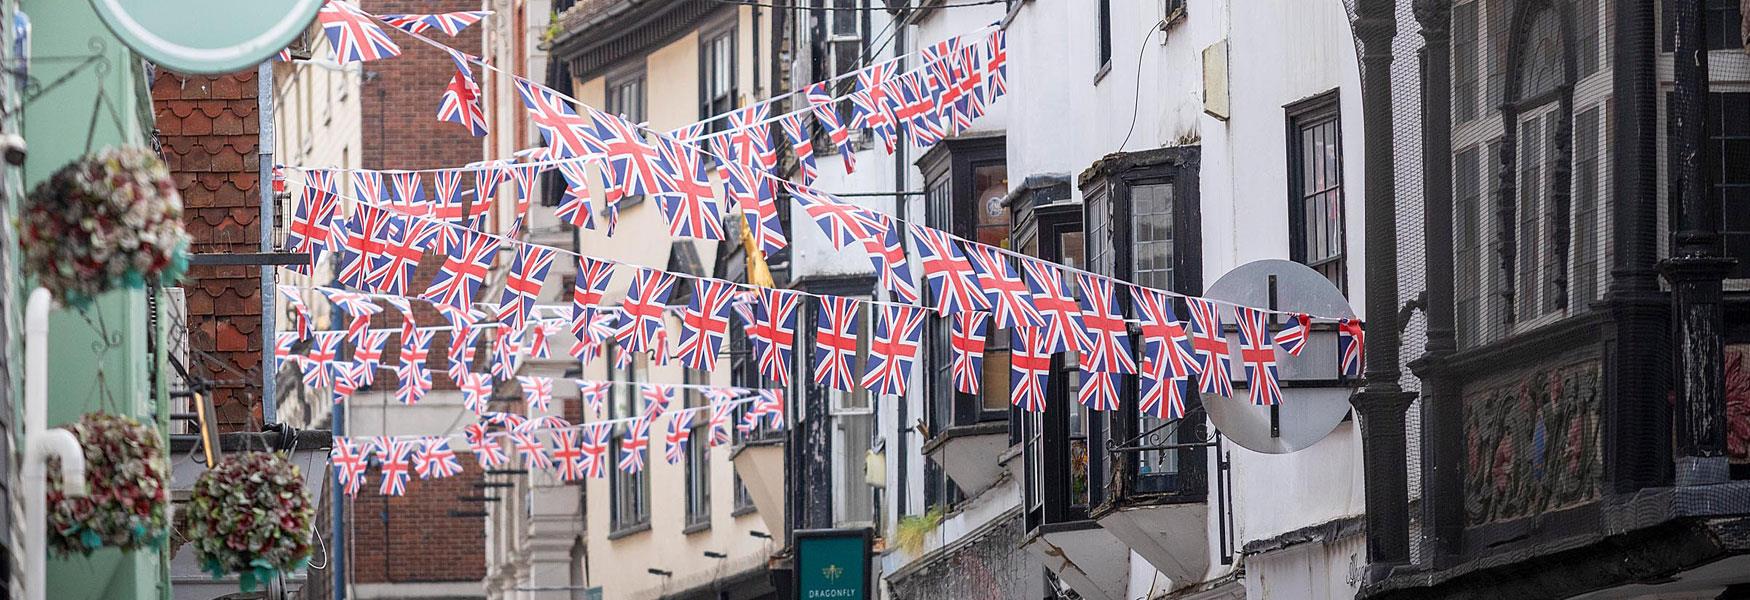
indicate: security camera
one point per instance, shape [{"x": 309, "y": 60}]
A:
[{"x": 12, "y": 146}]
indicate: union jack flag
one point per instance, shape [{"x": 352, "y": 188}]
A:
[
  {"x": 1258, "y": 354},
  {"x": 311, "y": 220},
  {"x": 538, "y": 341},
  {"x": 523, "y": 286},
  {"x": 409, "y": 196},
  {"x": 476, "y": 391},
  {"x": 755, "y": 198},
  {"x": 462, "y": 334},
  {"x": 996, "y": 66},
  {"x": 941, "y": 70},
  {"x": 750, "y": 138},
  {"x": 656, "y": 399},
  {"x": 300, "y": 311},
  {"x": 680, "y": 429},
  {"x": 416, "y": 347},
  {"x": 347, "y": 376},
  {"x": 705, "y": 324},
  {"x": 366, "y": 234},
  {"x": 644, "y": 304},
  {"x": 826, "y": 112},
  {"x": 322, "y": 352},
  {"x": 888, "y": 256},
  {"x": 690, "y": 206},
  {"x": 1292, "y": 339},
  {"x": 770, "y": 404},
  {"x": 399, "y": 259},
  {"x": 719, "y": 424},
  {"x": 1106, "y": 348},
  {"x": 369, "y": 350},
  {"x": 917, "y": 109},
  {"x": 843, "y": 223},
  {"x": 449, "y": 201},
  {"x": 568, "y": 134},
  {"x": 436, "y": 460},
  {"x": 1011, "y": 302},
  {"x": 350, "y": 462},
  {"x": 595, "y": 449},
  {"x": 488, "y": 177},
  {"x": 402, "y": 306},
  {"x": 283, "y": 341},
  {"x": 1061, "y": 314},
  {"x": 529, "y": 448},
  {"x": 966, "y": 340},
  {"x": 567, "y": 456},
  {"x": 592, "y": 392},
  {"x": 797, "y": 133},
  {"x": 1351, "y": 347},
  {"x": 395, "y": 470},
  {"x": 460, "y": 102},
  {"x": 835, "y": 354},
  {"x": 1210, "y": 343},
  {"x": 898, "y": 335},
  {"x": 593, "y": 275},
  {"x": 537, "y": 392},
  {"x": 507, "y": 352},
  {"x": 778, "y": 331},
  {"x": 953, "y": 283},
  {"x": 636, "y": 164},
  {"x": 574, "y": 205},
  {"x": 524, "y": 178},
  {"x": 971, "y": 88},
  {"x": 633, "y": 446},
  {"x": 451, "y": 23},
  {"x": 463, "y": 270},
  {"x": 353, "y": 34},
  {"x": 1099, "y": 391},
  {"x": 487, "y": 451},
  {"x": 367, "y": 186},
  {"x": 1167, "y": 360},
  {"x": 871, "y": 108},
  {"x": 414, "y": 382},
  {"x": 1029, "y": 368}
]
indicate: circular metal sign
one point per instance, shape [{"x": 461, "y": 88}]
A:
[
  {"x": 206, "y": 36},
  {"x": 1314, "y": 398}
]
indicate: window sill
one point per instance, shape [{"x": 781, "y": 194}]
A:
[
  {"x": 697, "y": 527},
  {"x": 628, "y": 531},
  {"x": 742, "y": 511},
  {"x": 1101, "y": 74}
]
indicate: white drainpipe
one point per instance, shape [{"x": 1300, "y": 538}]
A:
[{"x": 40, "y": 443}]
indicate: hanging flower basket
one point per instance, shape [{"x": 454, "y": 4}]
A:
[
  {"x": 249, "y": 515},
  {"x": 125, "y": 476},
  {"x": 107, "y": 220}
]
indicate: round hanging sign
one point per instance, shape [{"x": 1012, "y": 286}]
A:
[{"x": 207, "y": 36}]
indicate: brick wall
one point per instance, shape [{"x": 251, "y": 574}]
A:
[
  {"x": 412, "y": 538},
  {"x": 207, "y": 126}
]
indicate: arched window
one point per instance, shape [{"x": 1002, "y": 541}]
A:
[{"x": 1539, "y": 130}]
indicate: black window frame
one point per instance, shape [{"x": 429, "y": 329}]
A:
[
  {"x": 1301, "y": 117},
  {"x": 698, "y": 459},
  {"x": 1114, "y": 179},
  {"x": 620, "y": 525},
  {"x": 713, "y": 102}
]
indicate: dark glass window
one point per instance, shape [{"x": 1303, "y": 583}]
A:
[
  {"x": 698, "y": 463},
  {"x": 630, "y": 497},
  {"x": 966, "y": 183},
  {"x": 717, "y": 76},
  {"x": 1104, "y": 13},
  {"x": 1728, "y": 156},
  {"x": 1315, "y": 154},
  {"x": 1723, "y": 20},
  {"x": 1466, "y": 63}
]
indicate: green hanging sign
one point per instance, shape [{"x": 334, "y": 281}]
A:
[
  {"x": 207, "y": 36},
  {"x": 833, "y": 564}
]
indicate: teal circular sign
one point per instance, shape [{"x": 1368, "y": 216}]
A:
[{"x": 207, "y": 36}]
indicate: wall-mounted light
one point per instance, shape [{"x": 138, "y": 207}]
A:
[
  {"x": 760, "y": 534},
  {"x": 659, "y": 572},
  {"x": 716, "y": 555}
]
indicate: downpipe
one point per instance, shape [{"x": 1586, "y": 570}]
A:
[{"x": 40, "y": 443}]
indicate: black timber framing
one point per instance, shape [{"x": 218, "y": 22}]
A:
[{"x": 602, "y": 41}]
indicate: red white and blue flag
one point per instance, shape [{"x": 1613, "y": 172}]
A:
[
  {"x": 487, "y": 451},
  {"x": 592, "y": 393},
  {"x": 797, "y": 133},
  {"x": 476, "y": 391},
  {"x": 537, "y": 392},
  {"x": 1029, "y": 368},
  {"x": 1351, "y": 346},
  {"x": 415, "y": 348},
  {"x": 354, "y": 34},
  {"x": 646, "y": 300},
  {"x": 1061, "y": 315},
  {"x": 1258, "y": 355},
  {"x": 844, "y": 224},
  {"x": 395, "y": 469},
  {"x": 323, "y": 352},
  {"x": 574, "y": 205},
  {"x": 568, "y": 134},
  {"x": 870, "y": 106},
  {"x": 996, "y": 66},
  {"x": 414, "y": 381},
  {"x": 460, "y": 102},
  {"x": 283, "y": 341},
  {"x": 538, "y": 340},
  {"x": 369, "y": 349},
  {"x": 1106, "y": 348},
  {"x": 898, "y": 336},
  {"x": 399, "y": 260},
  {"x": 769, "y": 404},
  {"x": 436, "y": 460},
  {"x": 721, "y": 413},
  {"x": 367, "y": 232},
  {"x": 311, "y": 220},
  {"x": 778, "y": 330},
  {"x": 835, "y": 342},
  {"x": 1292, "y": 338},
  {"x": 1209, "y": 342},
  {"x": 705, "y": 324},
  {"x": 567, "y": 456},
  {"x": 966, "y": 343},
  {"x": 528, "y": 448},
  {"x": 634, "y": 162},
  {"x": 409, "y": 197},
  {"x": 350, "y": 462},
  {"x": 1010, "y": 300},
  {"x": 1099, "y": 391},
  {"x": 656, "y": 399},
  {"x": 595, "y": 449},
  {"x": 953, "y": 282},
  {"x": 1167, "y": 360},
  {"x": 632, "y": 448},
  {"x": 593, "y": 275},
  {"x": 689, "y": 205},
  {"x": 826, "y": 112},
  {"x": 451, "y": 23},
  {"x": 507, "y": 351},
  {"x": 887, "y": 253},
  {"x": 523, "y": 285},
  {"x": 464, "y": 270},
  {"x": 750, "y": 138},
  {"x": 754, "y": 196},
  {"x": 680, "y": 429}
]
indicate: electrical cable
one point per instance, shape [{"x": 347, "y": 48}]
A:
[{"x": 1136, "y": 88}]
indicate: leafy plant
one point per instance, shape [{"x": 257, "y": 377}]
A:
[
  {"x": 249, "y": 515},
  {"x": 914, "y": 531},
  {"x": 125, "y": 475},
  {"x": 106, "y": 220}
]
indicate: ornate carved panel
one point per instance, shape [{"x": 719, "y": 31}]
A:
[{"x": 1533, "y": 441}]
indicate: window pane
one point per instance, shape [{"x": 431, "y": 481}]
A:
[{"x": 1152, "y": 235}]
